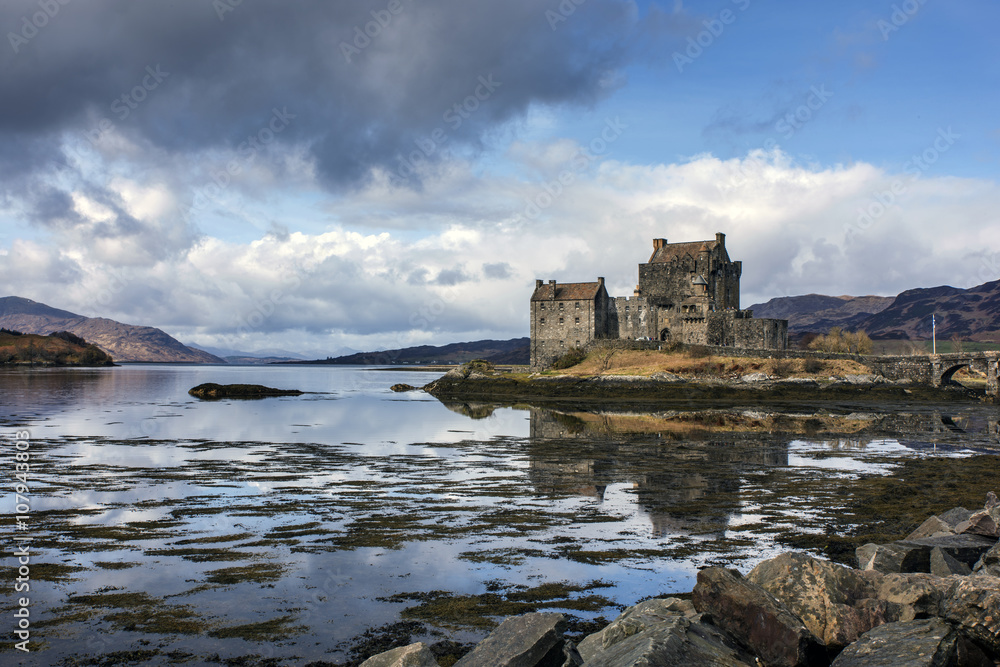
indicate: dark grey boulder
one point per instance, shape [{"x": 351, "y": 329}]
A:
[
  {"x": 915, "y": 555},
  {"x": 925, "y": 643},
  {"x": 943, "y": 565},
  {"x": 893, "y": 557},
  {"x": 634, "y": 620},
  {"x": 955, "y": 516},
  {"x": 531, "y": 640},
  {"x": 756, "y": 619},
  {"x": 674, "y": 642}
]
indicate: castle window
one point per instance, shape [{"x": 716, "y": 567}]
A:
[
  {"x": 578, "y": 305},
  {"x": 560, "y": 320},
  {"x": 560, "y": 306},
  {"x": 541, "y": 321},
  {"x": 543, "y": 306},
  {"x": 578, "y": 343},
  {"x": 578, "y": 320}
]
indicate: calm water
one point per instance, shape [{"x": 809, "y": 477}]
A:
[{"x": 286, "y": 527}]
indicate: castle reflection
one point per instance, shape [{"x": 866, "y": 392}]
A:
[{"x": 690, "y": 472}]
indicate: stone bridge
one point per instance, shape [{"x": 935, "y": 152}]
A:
[{"x": 937, "y": 369}]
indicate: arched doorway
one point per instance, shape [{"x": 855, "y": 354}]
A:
[{"x": 665, "y": 335}]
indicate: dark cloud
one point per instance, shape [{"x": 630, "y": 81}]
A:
[
  {"x": 497, "y": 271},
  {"x": 184, "y": 78}
]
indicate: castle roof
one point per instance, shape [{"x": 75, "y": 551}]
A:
[
  {"x": 669, "y": 252},
  {"x": 567, "y": 291}
]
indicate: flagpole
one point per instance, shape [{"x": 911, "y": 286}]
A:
[{"x": 934, "y": 333}]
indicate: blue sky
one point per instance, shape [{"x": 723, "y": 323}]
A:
[{"x": 262, "y": 175}]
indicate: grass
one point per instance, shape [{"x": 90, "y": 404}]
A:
[{"x": 650, "y": 362}]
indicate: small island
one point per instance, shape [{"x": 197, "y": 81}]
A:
[{"x": 213, "y": 391}]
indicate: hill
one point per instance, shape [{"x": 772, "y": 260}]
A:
[
  {"x": 818, "y": 312},
  {"x": 514, "y": 351},
  {"x": 124, "y": 342},
  {"x": 59, "y": 349},
  {"x": 969, "y": 314}
]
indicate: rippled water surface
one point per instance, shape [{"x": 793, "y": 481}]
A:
[{"x": 174, "y": 528}]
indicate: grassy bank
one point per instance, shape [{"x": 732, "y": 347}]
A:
[{"x": 692, "y": 376}]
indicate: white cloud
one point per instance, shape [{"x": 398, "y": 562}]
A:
[{"x": 459, "y": 261}]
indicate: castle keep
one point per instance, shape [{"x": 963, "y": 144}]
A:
[{"x": 687, "y": 292}]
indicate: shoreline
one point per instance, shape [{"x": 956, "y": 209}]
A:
[{"x": 464, "y": 384}]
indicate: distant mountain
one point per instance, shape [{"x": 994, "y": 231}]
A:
[
  {"x": 514, "y": 351},
  {"x": 818, "y": 312},
  {"x": 124, "y": 342},
  {"x": 970, "y": 314}
]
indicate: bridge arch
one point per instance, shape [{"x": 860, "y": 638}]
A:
[{"x": 949, "y": 373}]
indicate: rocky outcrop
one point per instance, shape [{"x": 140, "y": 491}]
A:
[{"x": 790, "y": 610}]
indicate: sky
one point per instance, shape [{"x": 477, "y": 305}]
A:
[{"x": 327, "y": 176}]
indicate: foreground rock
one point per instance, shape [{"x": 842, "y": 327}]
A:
[
  {"x": 837, "y": 604},
  {"x": 525, "y": 641},
  {"x": 757, "y": 619},
  {"x": 414, "y": 655},
  {"x": 401, "y": 387},
  {"x": 211, "y": 390},
  {"x": 677, "y": 640},
  {"x": 930, "y": 643}
]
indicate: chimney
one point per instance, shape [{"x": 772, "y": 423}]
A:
[
  {"x": 600, "y": 281},
  {"x": 720, "y": 238},
  {"x": 659, "y": 243},
  {"x": 552, "y": 282},
  {"x": 538, "y": 283}
]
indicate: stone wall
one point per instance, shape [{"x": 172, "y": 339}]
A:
[{"x": 630, "y": 318}]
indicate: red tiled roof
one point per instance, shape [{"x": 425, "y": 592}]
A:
[{"x": 567, "y": 292}]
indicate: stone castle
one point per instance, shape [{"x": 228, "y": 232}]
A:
[{"x": 687, "y": 292}]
